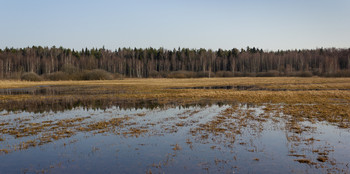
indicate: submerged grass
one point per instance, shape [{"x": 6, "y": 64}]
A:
[
  {"x": 224, "y": 129},
  {"x": 318, "y": 98}
]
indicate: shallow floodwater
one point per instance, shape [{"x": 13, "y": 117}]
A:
[{"x": 197, "y": 139}]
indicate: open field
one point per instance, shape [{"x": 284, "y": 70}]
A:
[
  {"x": 327, "y": 98},
  {"x": 275, "y": 125},
  {"x": 253, "y": 90}
]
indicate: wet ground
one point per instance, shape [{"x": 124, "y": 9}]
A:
[
  {"x": 259, "y": 88},
  {"x": 150, "y": 138},
  {"x": 47, "y": 90}
]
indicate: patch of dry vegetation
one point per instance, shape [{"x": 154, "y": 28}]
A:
[
  {"x": 51, "y": 130},
  {"x": 333, "y": 90},
  {"x": 318, "y": 98}
]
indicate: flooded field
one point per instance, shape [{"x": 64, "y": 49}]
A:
[{"x": 106, "y": 129}]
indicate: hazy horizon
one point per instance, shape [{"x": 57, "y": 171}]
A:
[{"x": 270, "y": 25}]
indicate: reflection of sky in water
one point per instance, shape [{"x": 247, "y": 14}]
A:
[{"x": 261, "y": 148}]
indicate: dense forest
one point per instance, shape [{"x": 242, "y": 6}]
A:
[{"x": 178, "y": 63}]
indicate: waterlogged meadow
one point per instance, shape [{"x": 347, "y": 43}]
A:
[{"x": 233, "y": 125}]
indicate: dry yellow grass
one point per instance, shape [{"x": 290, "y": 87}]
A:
[
  {"x": 312, "y": 99},
  {"x": 161, "y": 89},
  {"x": 275, "y": 81},
  {"x": 329, "y": 97}
]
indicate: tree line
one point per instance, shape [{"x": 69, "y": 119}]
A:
[{"x": 181, "y": 62}]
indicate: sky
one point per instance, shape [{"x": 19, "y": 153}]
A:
[{"x": 210, "y": 24}]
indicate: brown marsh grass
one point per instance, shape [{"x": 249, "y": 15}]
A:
[
  {"x": 294, "y": 99},
  {"x": 295, "y": 90},
  {"x": 321, "y": 98}
]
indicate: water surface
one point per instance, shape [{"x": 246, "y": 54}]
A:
[{"x": 229, "y": 138}]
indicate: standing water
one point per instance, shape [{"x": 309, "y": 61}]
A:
[{"x": 196, "y": 139}]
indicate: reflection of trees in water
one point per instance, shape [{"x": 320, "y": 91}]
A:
[
  {"x": 93, "y": 102},
  {"x": 60, "y": 98},
  {"x": 62, "y": 90}
]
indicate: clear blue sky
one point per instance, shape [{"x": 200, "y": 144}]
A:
[{"x": 267, "y": 24}]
